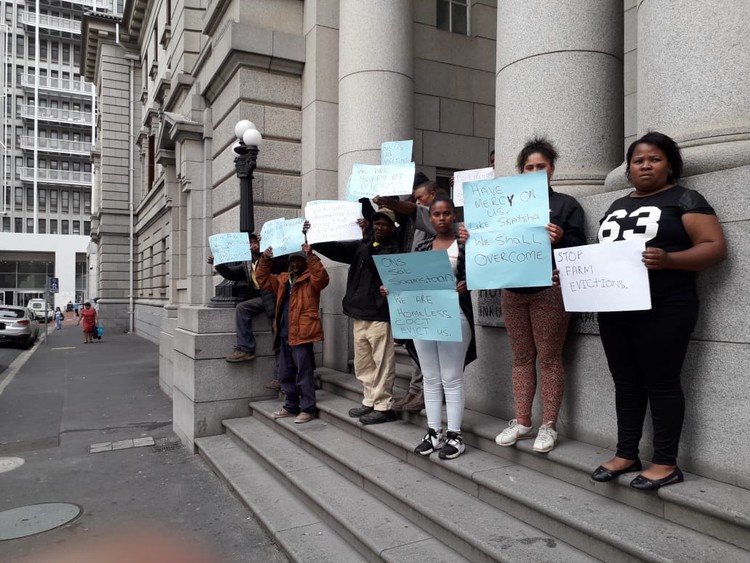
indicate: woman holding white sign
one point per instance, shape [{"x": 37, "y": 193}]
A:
[
  {"x": 535, "y": 317},
  {"x": 645, "y": 349},
  {"x": 443, "y": 363}
]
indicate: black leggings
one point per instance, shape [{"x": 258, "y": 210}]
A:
[{"x": 645, "y": 351}]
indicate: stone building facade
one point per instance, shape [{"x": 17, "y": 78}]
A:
[{"x": 326, "y": 81}]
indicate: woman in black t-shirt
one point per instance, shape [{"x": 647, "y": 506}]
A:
[{"x": 645, "y": 349}]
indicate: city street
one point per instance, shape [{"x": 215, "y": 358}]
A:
[{"x": 69, "y": 396}]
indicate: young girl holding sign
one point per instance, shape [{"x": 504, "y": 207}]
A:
[{"x": 443, "y": 363}]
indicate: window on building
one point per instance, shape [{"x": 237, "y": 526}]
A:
[
  {"x": 6, "y": 224},
  {"x": 87, "y": 228},
  {"x": 53, "y": 226},
  {"x": 32, "y": 48},
  {"x": 66, "y": 53},
  {"x": 76, "y": 227},
  {"x": 65, "y": 203},
  {"x": 18, "y": 225},
  {"x": 86, "y": 203},
  {"x": 9, "y": 13},
  {"x": 55, "y": 51},
  {"x": 42, "y": 201},
  {"x": 30, "y": 225},
  {"x": 29, "y": 199},
  {"x": 19, "y": 45},
  {"x": 76, "y": 55},
  {"x": 53, "y": 201},
  {"x": 19, "y": 199},
  {"x": 42, "y": 226},
  {"x": 65, "y": 227},
  {"x": 453, "y": 16},
  {"x": 43, "y": 49},
  {"x": 151, "y": 161},
  {"x": 76, "y": 167},
  {"x": 65, "y": 165},
  {"x": 76, "y": 202}
]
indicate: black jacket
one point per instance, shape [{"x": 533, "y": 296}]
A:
[
  {"x": 362, "y": 300},
  {"x": 241, "y": 272}
]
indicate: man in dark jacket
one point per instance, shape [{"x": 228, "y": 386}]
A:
[
  {"x": 374, "y": 358},
  {"x": 256, "y": 302}
]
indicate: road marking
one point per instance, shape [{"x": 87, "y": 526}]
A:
[
  {"x": 10, "y": 463},
  {"x": 65, "y": 348},
  {"x": 17, "y": 364},
  {"x": 121, "y": 445}
]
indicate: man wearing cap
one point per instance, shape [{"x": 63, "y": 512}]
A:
[
  {"x": 374, "y": 358},
  {"x": 256, "y": 301},
  {"x": 297, "y": 327}
]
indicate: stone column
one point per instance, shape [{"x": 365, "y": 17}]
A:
[
  {"x": 559, "y": 74},
  {"x": 693, "y": 59},
  {"x": 376, "y": 82}
]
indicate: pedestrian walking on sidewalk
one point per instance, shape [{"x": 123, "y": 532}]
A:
[
  {"x": 297, "y": 327},
  {"x": 90, "y": 319},
  {"x": 59, "y": 317}
]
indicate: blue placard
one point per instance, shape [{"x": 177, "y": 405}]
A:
[
  {"x": 416, "y": 271},
  {"x": 54, "y": 285},
  {"x": 396, "y": 152},
  {"x": 283, "y": 235},
  {"x": 508, "y": 244},
  {"x": 374, "y": 180},
  {"x": 425, "y": 315},
  {"x": 230, "y": 247}
]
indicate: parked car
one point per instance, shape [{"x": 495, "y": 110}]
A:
[
  {"x": 39, "y": 306},
  {"x": 18, "y": 324}
]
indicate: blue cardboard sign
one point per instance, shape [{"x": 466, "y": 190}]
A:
[
  {"x": 54, "y": 285},
  {"x": 422, "y": 296},
  {"x": 396, "y": 152},
  {"x": 508, "y": 244},
  {"x": 374, "y": 180},
  {"x": 283, "y": 235},
  {"x": 416, "y": 271},
  {"x": 425, "y": 315},
  {"x": 230, "y": 247}
]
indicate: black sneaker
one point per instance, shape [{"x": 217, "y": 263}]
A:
[
  {"x": 360, "y": 411},
  {"x": 377, "y": 417},
  {"x": 454, "y": 446},
  {"x": 431, "y": 442}
]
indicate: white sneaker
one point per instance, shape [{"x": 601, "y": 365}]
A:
[
  {"x": 545, "y": 439},
  {"x": 513, "y": 433}
]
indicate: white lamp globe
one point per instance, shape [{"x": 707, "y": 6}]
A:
[
  {"x": 252, "y": 137},
  {"x": 243, "y": 126}
]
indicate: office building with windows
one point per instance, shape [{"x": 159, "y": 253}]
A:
[{"x": 48, "y": 117}]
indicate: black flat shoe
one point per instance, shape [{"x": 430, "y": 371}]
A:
[
  {"x": 602, "y": 474},
  {"x": 644, "y": 484}
]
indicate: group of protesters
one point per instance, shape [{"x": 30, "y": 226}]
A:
[{"x": 644, "y": 349}]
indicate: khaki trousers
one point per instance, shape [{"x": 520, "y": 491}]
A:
[{"x": 375, "y": 362}]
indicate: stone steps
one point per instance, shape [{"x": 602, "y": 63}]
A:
[
  {"x": 296, "y": 529},
  {"x": 360, "y": 493},
  {"x": 715, "y": 510},
  {"x": 377, "y": 496}
]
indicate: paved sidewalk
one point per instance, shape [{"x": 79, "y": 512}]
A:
[{"x": 70, "y": 395}]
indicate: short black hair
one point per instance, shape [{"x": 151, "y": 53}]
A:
[
  {"x": 542, "y": 145},
  {"x": 429, "y": 185},
  {"x": 442, "y": 197},
  {"x": 667, "y": 145}
]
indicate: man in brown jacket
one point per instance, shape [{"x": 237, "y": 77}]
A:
[{"x": 296, "y": 327}]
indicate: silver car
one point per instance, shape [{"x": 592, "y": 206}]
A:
[{"x": 18, "y": 324}]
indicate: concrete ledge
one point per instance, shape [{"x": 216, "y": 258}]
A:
[
  {"x": 218, "y": 345},
  {"x": 192, "y": 420}
]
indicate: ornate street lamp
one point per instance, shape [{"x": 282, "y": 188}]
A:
[
  {"x": 227, "y": 293},
  {"x": 246, "y": 149}
]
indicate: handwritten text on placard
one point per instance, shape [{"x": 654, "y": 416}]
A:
[
  {"x": 604, "y": 277},
  {"x": 508, "y": 244},
  {"x": 422, "y": 296},
  {"x": 283, "y": 235},
  {"x": 459, "y": 178},
  {"x": 373, "y": 180},
  {"x": 396, "y": 152},
  {"x": 332, "y": 220},
  {"x": 230, "y": 247}
]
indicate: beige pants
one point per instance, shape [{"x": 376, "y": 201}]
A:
[{"x": 375, "y": 362}]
